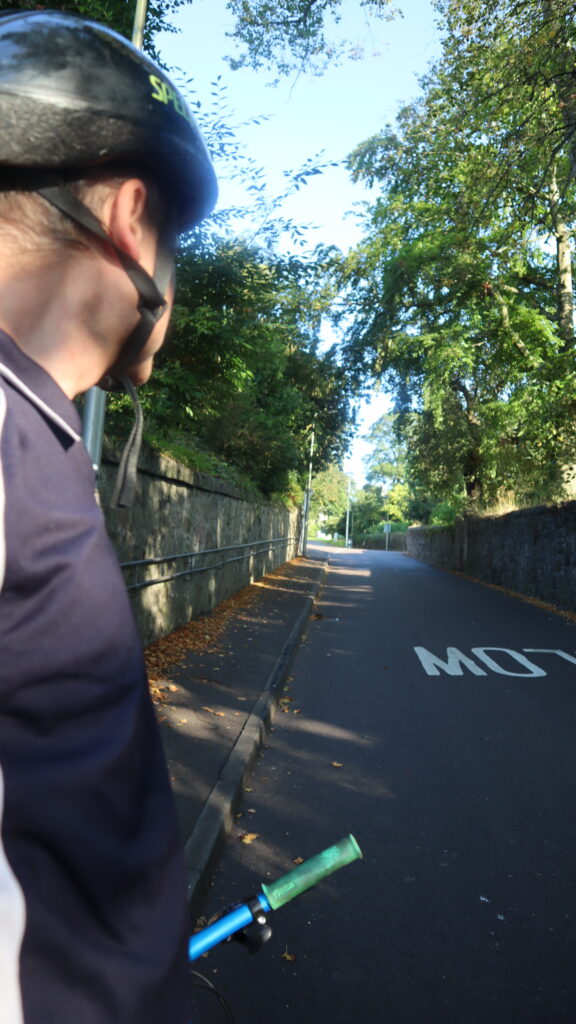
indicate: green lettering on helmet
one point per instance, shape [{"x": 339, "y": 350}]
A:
[{"x": 164, "y": 93}]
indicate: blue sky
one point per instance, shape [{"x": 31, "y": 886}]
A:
[{"x": 308, "y": 115}]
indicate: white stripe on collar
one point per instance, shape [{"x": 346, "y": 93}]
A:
[{"x": 14, "y": 379}]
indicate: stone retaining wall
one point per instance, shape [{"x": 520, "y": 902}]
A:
[
  {"x": 531, "y": 551},
  {"x": 396, "y": 542},
  {"x": 178, "y": 511}
]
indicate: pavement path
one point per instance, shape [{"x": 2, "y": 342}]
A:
[
  {"x": 434, "y": 718},
  {"x": 216, "y": 704}
]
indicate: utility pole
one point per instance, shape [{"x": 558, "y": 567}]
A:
[
  {"x": 307, "y": 497},
  {"x": 139, "y": 23},
  {"x": 348, "y": 515},
  {"x": 95, "y": 407}
]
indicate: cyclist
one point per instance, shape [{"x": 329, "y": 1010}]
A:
[{"x": 101, "y": 165}]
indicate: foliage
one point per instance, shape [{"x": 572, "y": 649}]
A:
[
  {"x": 386, "y": 463},
  {"x": 458, "y": 299},
  {"x": 290, "y": 36},
  {"x": 331, "y": 488},
  {"x": 369, "y": 513},
  {"x": 240, "y": 376},
  {"x": 391, "y": 471},
  {"x": 259, "y": 221}
]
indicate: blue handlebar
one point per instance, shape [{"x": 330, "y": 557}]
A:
[
  {"x": 274, "y": 895},
  {"x": 223, "y": 928}
]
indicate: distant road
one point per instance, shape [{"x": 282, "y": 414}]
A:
[{"x": 435, "y": 718}]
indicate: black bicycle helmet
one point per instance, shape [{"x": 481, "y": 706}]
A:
[{"x": 75, "y": 94}]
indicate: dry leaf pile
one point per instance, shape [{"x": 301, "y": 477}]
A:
[
  {"x": 201, "y": 635},
  {"x": 205, "y": 633}
]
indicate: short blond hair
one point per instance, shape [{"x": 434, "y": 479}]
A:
[{"x": 31, "y": 222}]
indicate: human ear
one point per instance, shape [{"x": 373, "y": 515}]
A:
[{"x": 125, "y": 218}]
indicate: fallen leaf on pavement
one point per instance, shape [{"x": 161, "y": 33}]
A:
[
  {"x": 158, "y": 694},
  {"x": 336, "y": 764},
  {"x": 207, "y": 634},
  {"x": 248, "y": 837},
  {"x": 288, "y": 956}
]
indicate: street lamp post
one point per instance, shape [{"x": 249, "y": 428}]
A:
[
  {"x": 307, "y": 498},
  {"x": 348, "y": 515}
]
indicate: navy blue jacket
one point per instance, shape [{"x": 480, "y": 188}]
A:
[{"x": 90, "y": 844}]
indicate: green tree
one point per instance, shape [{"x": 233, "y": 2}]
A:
[
  {"x": 240, "y": 378},
  {"x": 291, "y": 35},
  {"x": 456, "y": 298},
  {"x": 368, "y": 517},
  {"x": 387, "y": 461},
  {"x": 330, "y": 494}
]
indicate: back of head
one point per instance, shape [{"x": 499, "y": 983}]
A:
[{"x": 79, "y": 105}]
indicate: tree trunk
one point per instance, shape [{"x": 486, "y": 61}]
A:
[
  {"x": 564, "y": 285},
  {"x": 533, "y": 361},
  {"x": 473, "y": 464}
]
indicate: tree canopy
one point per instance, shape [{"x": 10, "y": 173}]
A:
[
  {"x": 241, "y": 380},
  {"x": 461, "y": 292},
  {"x": 292, "y": 35}
]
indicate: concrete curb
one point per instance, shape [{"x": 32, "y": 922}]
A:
[{"x": 215, "y": 821}]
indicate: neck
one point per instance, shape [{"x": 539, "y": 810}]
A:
[{"x": 53, "y": 307}]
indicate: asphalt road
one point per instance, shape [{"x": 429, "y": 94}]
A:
[{"x": 435, "y": 719}]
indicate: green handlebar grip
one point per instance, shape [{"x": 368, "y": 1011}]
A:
[{"x": 311, "y": 871}]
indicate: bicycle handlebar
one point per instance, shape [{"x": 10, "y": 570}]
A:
[
  {"x": 311, "y": 872},
  {"x": 276, "y": 894}
]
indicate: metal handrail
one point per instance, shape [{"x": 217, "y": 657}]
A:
[
  {"x": 272, "y": 544},
  {"x": 205, "y": 551}
]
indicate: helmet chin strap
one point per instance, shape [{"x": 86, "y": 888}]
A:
[
  {"x": 126, "y": 478},
  {"x": 152, "y": 306}
]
